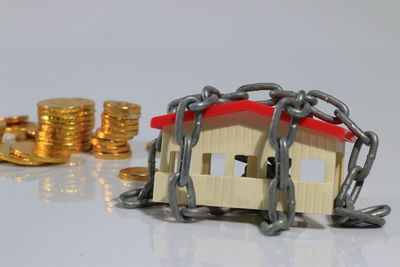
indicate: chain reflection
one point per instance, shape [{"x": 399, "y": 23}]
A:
[
  {"x": 234, "y": 241},
  {"x": 225, "y": 241},
  {"x": 350, "y": 244}
]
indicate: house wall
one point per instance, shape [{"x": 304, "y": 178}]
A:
[{"x": 247, "y": 134}]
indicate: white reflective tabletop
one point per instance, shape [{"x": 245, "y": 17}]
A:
[{"x": 65, "y": 215}]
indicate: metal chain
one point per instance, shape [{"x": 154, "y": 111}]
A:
[
  {"x": 141, "y": 197},
  {"x": 182, "y": 178},
  {"x": 344, "y": 212},
  {"x": 300, "y": 108},
  {"x": 297, "y": 105}
]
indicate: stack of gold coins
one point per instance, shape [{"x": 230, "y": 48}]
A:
[
  {"x": 18, "y": 128},
  {"x": 23, "y": 132},
  {"x": 65, "y": 126},
  {"x": 15, "y": 120},
  {"x": 120, "y": 123}
]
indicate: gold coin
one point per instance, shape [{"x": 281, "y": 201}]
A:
[
  {"x": 87, "y": 146},
  {"x": 87, "y": 113},
  {"x": 61, "y": 143},
  {"x": 60, "y": 130},
  {"x": 78, "y": 149},
  {"x": 69, "y": 147},
  {"x": 67, "y": 139},
  {"x": 121, "y": 115},
  {"x": 64, "y": 135},
  {"x": 122, "y": 130},
  {"x": 133, "y": 118},
  {"x": 22, "y": 128},
  {"x": 101, "y": 155},
  {"x": 134, "y": 174},
  {"x": 15, "y": 130},
  {"x": 122, "y": 107},
  {"x": 117, "y": 124},
  {"x": 5, "y": 156},
  {"x": 120, "y": 125},
  {"x": 66, "y": 143},
  {"x": 117, "y": 137},
  {"x": 23, "y": 138},
  {"x": 31, "y": 129},
  {"x": 66, "y": 123},
  {"x": 26, "y": 150},
  {"x": 66, "y": 105},
  {"x": 44, "y": 150},
  {"x": 108, "y": 143},
  {"x": 53, "y": 130},
  {"x": 15, "y": 119},
  {"x": 105, "y": 142},
  {"x": 67, "y": 120},
  {"x": 70, "y": 112},
  {"x": 3, "y": 129},
  {"x": 3, "y": 126},
  {"x": 112, "y": 150},
  {"x": 117, "y": 131}
]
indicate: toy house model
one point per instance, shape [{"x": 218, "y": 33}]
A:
[{"x": 239, "y": 131}]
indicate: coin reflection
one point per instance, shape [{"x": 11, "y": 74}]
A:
[
  {"x": 106, "y": 173},
  {"x": 69, "y": 185}
]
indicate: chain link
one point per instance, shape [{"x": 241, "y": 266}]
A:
[
  {"x": 331, "y": 100},
  {"x": 182, "y": 177},
  {"x": 255, "y": 87},
  {"x": 298, "y": 105},
  {"x": 282, "y": 181}
]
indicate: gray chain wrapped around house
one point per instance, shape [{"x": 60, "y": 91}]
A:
[{"x": 298, "y": 105}]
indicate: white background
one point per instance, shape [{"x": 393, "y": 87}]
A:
[{"x": 150, "y": 52}]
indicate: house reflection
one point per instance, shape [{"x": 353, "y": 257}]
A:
[{"x": 229, "y": 245}]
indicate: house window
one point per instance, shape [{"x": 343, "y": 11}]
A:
[
  {"x": 245, "y": 166},
  {"x": 271, "y": 167},
  {"x": 213, "y": 164},
  {"x": 312, "y": 170}
]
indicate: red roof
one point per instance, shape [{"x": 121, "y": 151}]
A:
[{"x": 247, "y": 105}]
